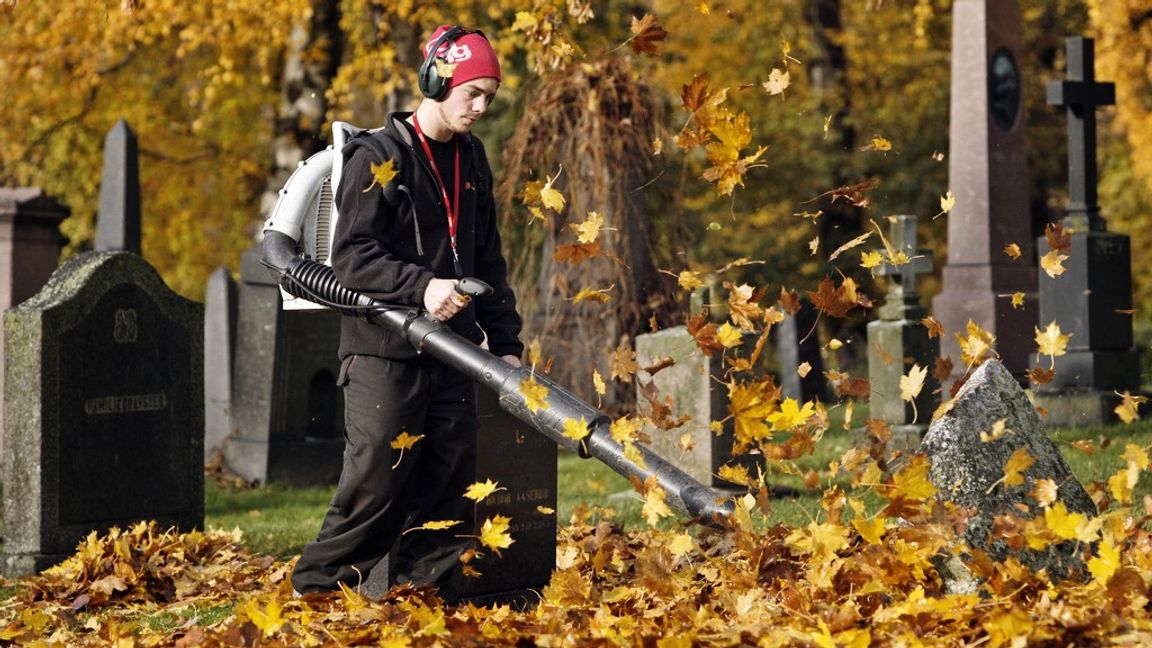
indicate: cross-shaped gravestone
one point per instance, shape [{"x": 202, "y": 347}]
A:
[
  {"x": 902, "y": 287},
  {"x": 898, "y": 342},
  {"x": 1081, "y": 93}
]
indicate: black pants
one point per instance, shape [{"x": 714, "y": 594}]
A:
[{"x": 383, "y": 491}]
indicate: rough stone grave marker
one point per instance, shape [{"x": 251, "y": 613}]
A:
[
  {"x": 30, "y": 244},
  {"x": 899, "y": 340},
  {"x": 988, "y": 175},
  {"x": 287, "y": 411},
  {"x": 103, "y": 407},
  {"x": 1091, "y": 301},
  {"x": 968, "y": 470}
]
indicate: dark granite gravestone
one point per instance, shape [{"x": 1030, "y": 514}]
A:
[
  {"x": 523, "y": 462},
  {"x": 797, "y": 343},
  {"x": 30, "y": 244},
  {"x": 118, "y": 217},
  {"x": 287, "y": 411},
  {"x": 1092, "y": 300},
  {"x": 219, "y": 350},
  {"x": 899, "y": 340},
  {"x": 988, "y": 175},
  {"x": 104, "y": 408}
]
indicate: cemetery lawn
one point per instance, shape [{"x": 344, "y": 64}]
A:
[{"x": 278, "y": 520}]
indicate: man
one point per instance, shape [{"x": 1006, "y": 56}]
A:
[{"x": 408, "y": 242}]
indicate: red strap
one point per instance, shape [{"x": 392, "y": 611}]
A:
[{"x": 451, "y": 207}]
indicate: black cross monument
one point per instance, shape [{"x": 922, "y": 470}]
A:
[{"x": 1092, "y": 299}]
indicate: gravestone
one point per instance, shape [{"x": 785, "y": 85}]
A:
[
  {"x": 968, "y": 469},
  {"x": 1092, "y": 300},
  {"x": 988, "y": 176},
  {"x": 694, "y": 386},
  {"x": 219, "y": 350},
  {"x": 797, "y": 343},
  {"x": 103, "y": 408},
  {"x": 118, "y": 217},
  {"x": 898, "y": 340},
  {"x": 523, "y": 462},
  {"x": 287, "y": 411},
  {"x": 30, "y": 244}
]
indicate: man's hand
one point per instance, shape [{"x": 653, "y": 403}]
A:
[
  {"x": 512, "y": 360},
  {"x": 442, "y": 301}
]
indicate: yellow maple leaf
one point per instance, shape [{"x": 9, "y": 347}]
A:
[
  {"x": 1063, "y": 523},
  {"x": 552, "y": 198},
  {"x": 869, "y": 260},
  {"x": 912, "y": 481},
  {"x": 1135, "y": 455},
  {"x": 625, "y": 429},
  {"x": 435, "y": 525},
  {"x": 654, "y": 506},
  {"x": 382, "y": 173},
  {"x": 1051, "y": 341},
  {"x": 535, "y": 394},
  {"x": 479, "y": 491},
  {"x": 912, "y": 384},
  {"x": 1044, "y": 491},
  {"x": 947, "y": 202},
  {"x": 589, "y": 229},
  {"x": 742, "y": 305},
  {"x": 405, "y": 441},
  {"x": 734, "y": 473},
  {"x": 530, "y": 194},
  {"x": 729, "y": 336},
  {"x": 598, "y": 383},
  {"x": 689, "y": 280},
  {"x": 820, "y": 539},
  {"x": 1053, "y": 263},
  {"x": 877, "y": 144},
  {"x": 790, "y": 415},
  {"x": 1012, "y": 250},
  {"x": 751, "y": 404},
  {"x": 871, "y": 530},
  {"x": 703, "y": 8},
  {"x": 680, "y": 544},
  {"x": 1014, "y": 469},
  {"x": 445, "y": 69},
  {"x": 576, "y": 430},
  {"x": 999, "y": 429},
  {"x": 600, "y": 295},
  {"x": 1018, "y": 300},
  {"x": 1106, "y": 561},
  {"x": 1129, "y": 408},
  {"x": 267, "y": 618},
  {"x": 778, "y": 81},
  {"x": 976, "y": 346},
  {"x": 1120, "y": 484},
  {"x": 494, "y": 533}
]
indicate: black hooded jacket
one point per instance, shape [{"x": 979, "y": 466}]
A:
[{"x": 391, "y": 241}]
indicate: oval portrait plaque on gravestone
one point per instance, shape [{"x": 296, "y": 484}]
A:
[{"x": 1003, "y": 88}]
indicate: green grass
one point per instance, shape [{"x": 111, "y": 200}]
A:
[{"x": 279, "y": 520}]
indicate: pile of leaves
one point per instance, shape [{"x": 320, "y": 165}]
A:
[{"x": 848, "y": 578}]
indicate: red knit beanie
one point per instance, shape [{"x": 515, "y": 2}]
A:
[{"x": 471, "y": 53}]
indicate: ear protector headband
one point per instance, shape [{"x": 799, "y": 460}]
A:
[{"x": 432, "y": 85}]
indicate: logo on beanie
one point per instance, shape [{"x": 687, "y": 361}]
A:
[{"x": 454, "y": 52}]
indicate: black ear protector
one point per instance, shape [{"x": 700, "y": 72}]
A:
[{"x": 432, "y": 85}]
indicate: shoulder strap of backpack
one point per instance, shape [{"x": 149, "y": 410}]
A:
[{"x": 384, "y": 147}]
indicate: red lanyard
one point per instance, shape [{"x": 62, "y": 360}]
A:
[{"x": 451, "y": 207}]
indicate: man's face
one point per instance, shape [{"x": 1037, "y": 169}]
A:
[{"x": 466, "y": 103}]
